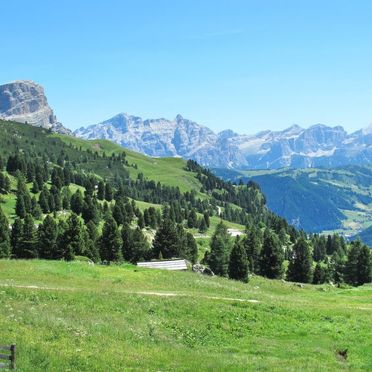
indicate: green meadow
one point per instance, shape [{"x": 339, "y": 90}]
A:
[{"x": 76, "y": 317}]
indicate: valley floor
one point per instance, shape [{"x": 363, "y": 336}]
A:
[{"x": 72, "y": 316}]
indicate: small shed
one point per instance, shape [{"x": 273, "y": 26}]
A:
[{"x": 165, "y": 265}]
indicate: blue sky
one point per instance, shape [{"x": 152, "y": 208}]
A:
[{"x": 245, "y": 65}]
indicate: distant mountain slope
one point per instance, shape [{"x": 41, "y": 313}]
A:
[
  {"x": 295, "y": 147},
  {"x": 366, "y": 236},
  {"x": 24, "y": 101},
  {"x": 316, "y": 199}
]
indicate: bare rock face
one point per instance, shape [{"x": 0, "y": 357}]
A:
[{"x": 24, "y": 101}]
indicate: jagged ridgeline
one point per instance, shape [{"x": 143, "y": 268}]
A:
[{"x": 65, "y": 174}]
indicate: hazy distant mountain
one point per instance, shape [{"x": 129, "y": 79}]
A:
[
  {"x": 319, "y": 145},
  {"x": 25, "y": 101},
  {"x": 316, "y": 199}
]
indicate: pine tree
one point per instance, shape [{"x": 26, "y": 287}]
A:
[
  {"x": 110, "y": 242},
  {"x": 253, "y": 244},
  {"x": 191, "y": 248},
  {"x": 319, "y": 276},
  {"x": 35, "y": 209},
  {"x": 272, "y": 256},
  {"x": 77, "y": 202},
  {"x": 238, "y": 262},
  {"x": 206, "y": 218},
  {"x": 300, "y": 264},
  {"x": 218, "y": 259},
  {"x": 72, "y": 240},
  {"x": 16, "y": 237},
  {"x": 47, "y": 239},
  {"x": 5, "y": 247},
  {"x": 20, "y": 209},
  {"x": 192, "y": 220},
  {"x": 44, "y": 200},
  {"x": 101, "y": 190},
  {"x": 203, "y": 225},
  {"x": 92, "y": 250},
  {"x": 351, "y": 265},
  {"x": 109, "y": 193},
  {"x": 166, "y": 240},
  {"x": 364, "y": 265},
  {"x": 28, "y": 241},
  {"x": 358, "y": 264}
]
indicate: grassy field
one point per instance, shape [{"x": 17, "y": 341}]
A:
[{"x": 76, "y": 317}]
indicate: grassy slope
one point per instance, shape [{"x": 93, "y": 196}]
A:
[
  {"x": 168, "y": 171},
  {"x": 96, "y": 318}
]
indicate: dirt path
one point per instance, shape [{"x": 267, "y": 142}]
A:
[{"x": 140, "y": 293}]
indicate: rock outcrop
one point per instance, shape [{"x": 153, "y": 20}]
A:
[{"x": 24, "y": 101}]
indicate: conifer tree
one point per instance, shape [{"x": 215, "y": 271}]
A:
[
  {"x": 47, "y": 239},
  {"x": 300, "y": 263},
  {"x": 272, "y": 256},
  {"x": 238, "y": 262},
  {"x": 72, "y": 241},
  {"x": 253, "y": 244},
  {"x": 101, "y": 190},
  {"x": 203, "y": 225},
  {"x": 191, "y": 248},
  {"x": 5, "y": 248},
  {"x": 166, "y": 240},
  {"x": 77, "y": 202},
  {"x": 218, "y": 259},
  {"x": 319, "y": 276},
  {"x": 20, "y": 208},
  {"x": 109, "y": 193},
  {"x": 110, "y": 242},
  {"x": 16, "y": 237},
  {"x": 364, "y": 265},
  {"x": 28, "y": 240},
  {"x": 206, "y": 218},
  {"x": 92, "y": 250},
  {"x": 192, "y": 220}
]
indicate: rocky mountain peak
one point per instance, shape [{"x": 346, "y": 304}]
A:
[{"x": 24, "y": 101}]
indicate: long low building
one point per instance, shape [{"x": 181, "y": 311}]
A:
[{"x": 165, "y": 265}]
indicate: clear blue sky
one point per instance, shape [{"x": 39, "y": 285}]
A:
[{"x": 245, "y": 65}]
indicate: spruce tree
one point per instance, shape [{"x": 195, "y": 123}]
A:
[
  {"x": 110, "y": 242},
  {"x": 191, "y": 248},
  {"x": 92, "y": 250},
  {"x": 364, "y": 265},
  {"x": 101, "y": 190},
  {"x": 253, "y": 245},
  {"x": 166, "y": 240},
  {"x": 72, "y": 240},
  {"x": 47, "y": 239},
  {"x": 300, "y": 263},
  {"x": 28, "y": 242},
  {"x": 16, "y": 237},
  {"x": 203, "y": 225},
  {"x": 77, "y": 202},
  {"x": 5, "y": 247},
  {"x": 272, "y": 256},
  {"x": 351, "y": 266},
  {"x": 220, "y": 245},
  {"x": 238, "y": 262},
  {"x": 319, "y": 276},
  {"x": 192, "y": 220}
]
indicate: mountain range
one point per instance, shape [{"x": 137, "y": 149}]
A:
[{"x": 296, "y": 147}]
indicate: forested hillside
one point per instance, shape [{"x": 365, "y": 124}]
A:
[
  {"x": 63, "y": 198},
  {"x": 316, "y": 199}
]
